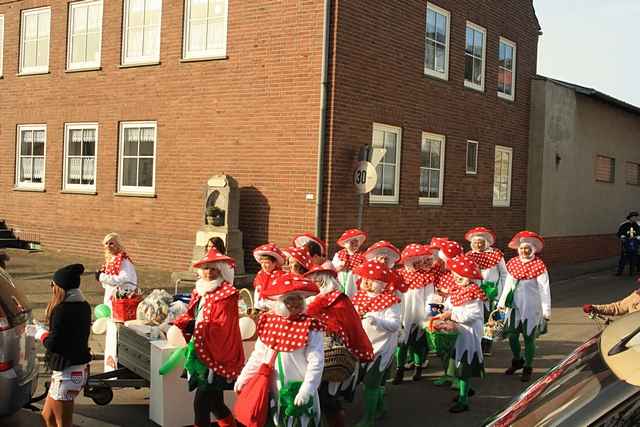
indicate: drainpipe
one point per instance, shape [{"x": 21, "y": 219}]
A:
[{"x": 322, "y": 140}]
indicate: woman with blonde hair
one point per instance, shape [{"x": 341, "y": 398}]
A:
[
  {"x": 67, "y": 344},
  {"x": 116, "y": 273}
]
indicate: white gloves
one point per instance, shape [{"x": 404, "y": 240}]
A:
[
  {"x": 238, "y": 385},
  {"x": 302, "y": 397}
]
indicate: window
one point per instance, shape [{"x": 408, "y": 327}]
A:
[
  {"x": 34, "y": 41},
  {"x": 85, "y": 35},
  {"x": 472, "y": 157},
  {"x": 205, "y": 29},
  {"x": 388, "y": 170},
  {"x": 474, "y": 54},
  {"x": 31, "y": 156},
  {"x": 137, "y": 157},
  {"x": 502, "y": 176},
  {"x": 633, "y": 173},
  {"x": 80, "y": 148},
  {"x": 141, "y": 35},
  {"x": 1, "y": 42},
  {"x": 431, "y": 169},
  {"x": 507, "y": 69},
  {"x": 436, "y": 62},
  {"x": 605, "y": 169}
]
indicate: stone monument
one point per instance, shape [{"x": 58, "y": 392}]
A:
[{"x": 221, "y": 211}]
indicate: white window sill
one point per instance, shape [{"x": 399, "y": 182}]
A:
[
  {"x": 28, "y": 189},
  {"x": 509, "y": 98},
  {"x": 139, "y": 64},
  {"x": 207, "y": 58},
  {"x": 129, "y": 194},
  {"x": 436, "y": 75},
  {"x": 473, "y": 86},
  {"x": 501, "y": 205},
  {"x": 79, "y": 70},
  {"x": 471, "y": 172},
  {"x": 85, "y": 192},
  {"x": 429, "y": 202},
  {"x": 32, "y": 73},
  {"x": 383, "y": 202}
]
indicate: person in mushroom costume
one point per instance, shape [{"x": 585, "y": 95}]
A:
[
  {"x": 317, "y": 248},
  {"x": 491, "y": 263},
  {"x": 297, "y": 260},
  {"x": 342, "y": 321},
  {"x": 349, "y": 258},
  {"x": 419, "y": 274},
  {"x": 447, "y": 249},
  {"x": 292, "y": 343},
  {"x": 465, "y": 308},
  {"x": 526, "y": 297},
  {"x": 271, "y": 259},
  {"x": 379, "y": 307},
  {"x": 386, "y": 253},
  {"x": 214, "y": 355}
]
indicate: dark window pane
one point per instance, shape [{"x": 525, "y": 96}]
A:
[
  {"x": 430, "y": 55},
  {"x": 130, "y": 172},
  {"x": 145, "y": 176},
  {"x": 38, "y": 148},
  {"x": 440, "y": 58},
  {"x": 469, "y": 41},
  {"x": 131, "y": 137},
  {"x": 424, "y": 182},
  {"x": 441, "y": 28},
  {"x": 434, "y": 189},
  {"x": 390, "y": 145},
  {"x": 501, "y": 78},
  {"x": 477, "y": 71},
  {"x": 377, "y": 191},
  {"x": 468, "y": 68},
  {"x": 478, "y": 42},
  {"x": 424, "y": 153},
  {"x": 388, "y": 181},
  {"x": 146, "y": 148},
  {"x": 431, "y": 24}
]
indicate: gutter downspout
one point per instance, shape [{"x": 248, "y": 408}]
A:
[{"x": 322, "y": 140}]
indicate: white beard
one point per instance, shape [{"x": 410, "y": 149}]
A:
[{"x": 204, "y": 286}]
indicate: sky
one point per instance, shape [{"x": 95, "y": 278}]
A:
[{"x": 592, "y": 43}]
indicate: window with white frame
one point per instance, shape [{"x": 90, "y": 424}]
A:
[
  {"x": 80, "y": 148},
  {"x": 141, "y": 34},
  {"x": 502, "y": 176},
  {"x": 30, "y": 165},
  {"x": 137, "y": 157},
  {"x": 474, "y": 56},
  {"x": 472, "y": 157},
  {"x": 431, "y": 169},
  {"x": 34, "y": 41},
  {"x": 436, "y": 61},
  {"x": 1, "y": 43},
  {"x": 205, "y": 29},
  {"x": 507, "y": 69},
  {"x": 387, "y": 189},
  {"x": 85, "y": 35}
]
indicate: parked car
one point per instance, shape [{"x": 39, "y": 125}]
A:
[
  {"x": 18, "y": 367},
  {"x": 597, "y": 385}
]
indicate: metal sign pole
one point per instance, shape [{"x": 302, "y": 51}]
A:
[{"x": 363, "y": 156}]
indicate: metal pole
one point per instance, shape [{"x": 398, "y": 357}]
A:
[{"x": 363, "y": 156}]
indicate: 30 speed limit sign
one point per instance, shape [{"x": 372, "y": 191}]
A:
[{"x": 365, "y": 177}]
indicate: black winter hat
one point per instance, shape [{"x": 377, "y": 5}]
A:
[
  {"x": 631, "y": 214},
  {"x": 68, "y": 277}
]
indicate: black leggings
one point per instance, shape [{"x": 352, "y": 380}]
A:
[{"x": 206, "y": 403}]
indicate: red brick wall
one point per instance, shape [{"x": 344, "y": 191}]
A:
[
  {"x": 253, "y": 116},
  {"x": 574, "y": 249},
  {"x": 378, "y": 73}
]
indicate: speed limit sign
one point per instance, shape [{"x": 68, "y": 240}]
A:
[{"x": 365, "y": 177}]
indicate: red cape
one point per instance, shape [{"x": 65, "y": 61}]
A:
[{"x": 341, "y": 318}]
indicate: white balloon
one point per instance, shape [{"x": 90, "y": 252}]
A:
[
  {"x": 99, "y": 326},
  {"x": 175, "y": 337},
  {"x": 247, "y": 328}
]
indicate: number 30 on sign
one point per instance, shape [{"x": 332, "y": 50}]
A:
[{"x": 365, "y": 177}]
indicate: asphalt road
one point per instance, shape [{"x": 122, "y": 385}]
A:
[{"x": 411, "y": 403}]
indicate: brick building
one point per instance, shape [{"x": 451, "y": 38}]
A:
[{"x": 113, "y": 114}]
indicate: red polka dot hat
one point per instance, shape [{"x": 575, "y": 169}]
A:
[
  {"x": 530, "y": 237},
  {"x": 483, "y": 232},
  {"x": 302, "y": 239},
  {"x": 383, "y": 248},
  {"x": 416, "y": 250},
  {"x": 375, "y": 270},
  {"x": 463, "y": 266},
  {"x": 449, "y": 249},
  {"x": 327, "y": 267},
  {"x": 290, "y": 284},
  {"x": 269, "y": 249},
  {"x": 353, "y": 233},
  {"x": 301, "y": 255},
  {"x": 214, "y": 256}
]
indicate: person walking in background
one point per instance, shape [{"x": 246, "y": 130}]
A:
[
  {"x": 629, "y": 235},
  {"x": 215, "y": 242},
  {"x": 66, "y": 342},
  {"x": 116, "y": 273}
]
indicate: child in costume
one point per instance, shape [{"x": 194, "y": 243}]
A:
[
  {"x": 527, "y": 299},
  {"x": 317, "y": 248},
  {"x": 386, "y": 253},
  {"x": 419, "y": 274},
  {"x": 465, "y": 308},
  {"x": 379, "y": 307},
  {"x": 297, "y": 260},
  {"x": 292, "y": 343},
  {"x": 343, "y": 323},
  {"x": 490, "y": 261},
  {"x": 271, "y": 259},
  {"x": 214, "y": 355},
  {"x": 349, "y": 258}
]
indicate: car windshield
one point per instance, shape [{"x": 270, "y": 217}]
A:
[
  {"x": 13, "y": 304},
  {"x": 563, "y": 391}
]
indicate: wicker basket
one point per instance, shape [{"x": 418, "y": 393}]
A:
[
  {"x": 494, "y": 329},
  {"x": 339, "y": 363}
]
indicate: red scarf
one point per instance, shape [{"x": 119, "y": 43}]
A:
[
  {"x": 526, "y": 270},
  {"x": 446, "y": 283},
  {"x": 464, "y": 294},
  {"x": 264, "y": 279},
  {"x": 351, "y": 262},
  {"x": 418, "y": 279},
  {"x": 113, "y": 267},
  {"x": 487, "y": 259},
  {"x": 286, "y": 334},
  {"x": 365, "y": 304}
]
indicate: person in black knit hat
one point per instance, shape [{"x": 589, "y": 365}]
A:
[{"x": 66, "y": 342}]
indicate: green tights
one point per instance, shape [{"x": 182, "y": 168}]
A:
[{"x": 529, "y": 347}]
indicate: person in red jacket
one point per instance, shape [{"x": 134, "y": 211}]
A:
[
  {"x": 214, "y": 356},
  {"x": 271, "y": 259},
  {"x": 343, "y": 323},
  {"x": 317, "y": 248}
]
